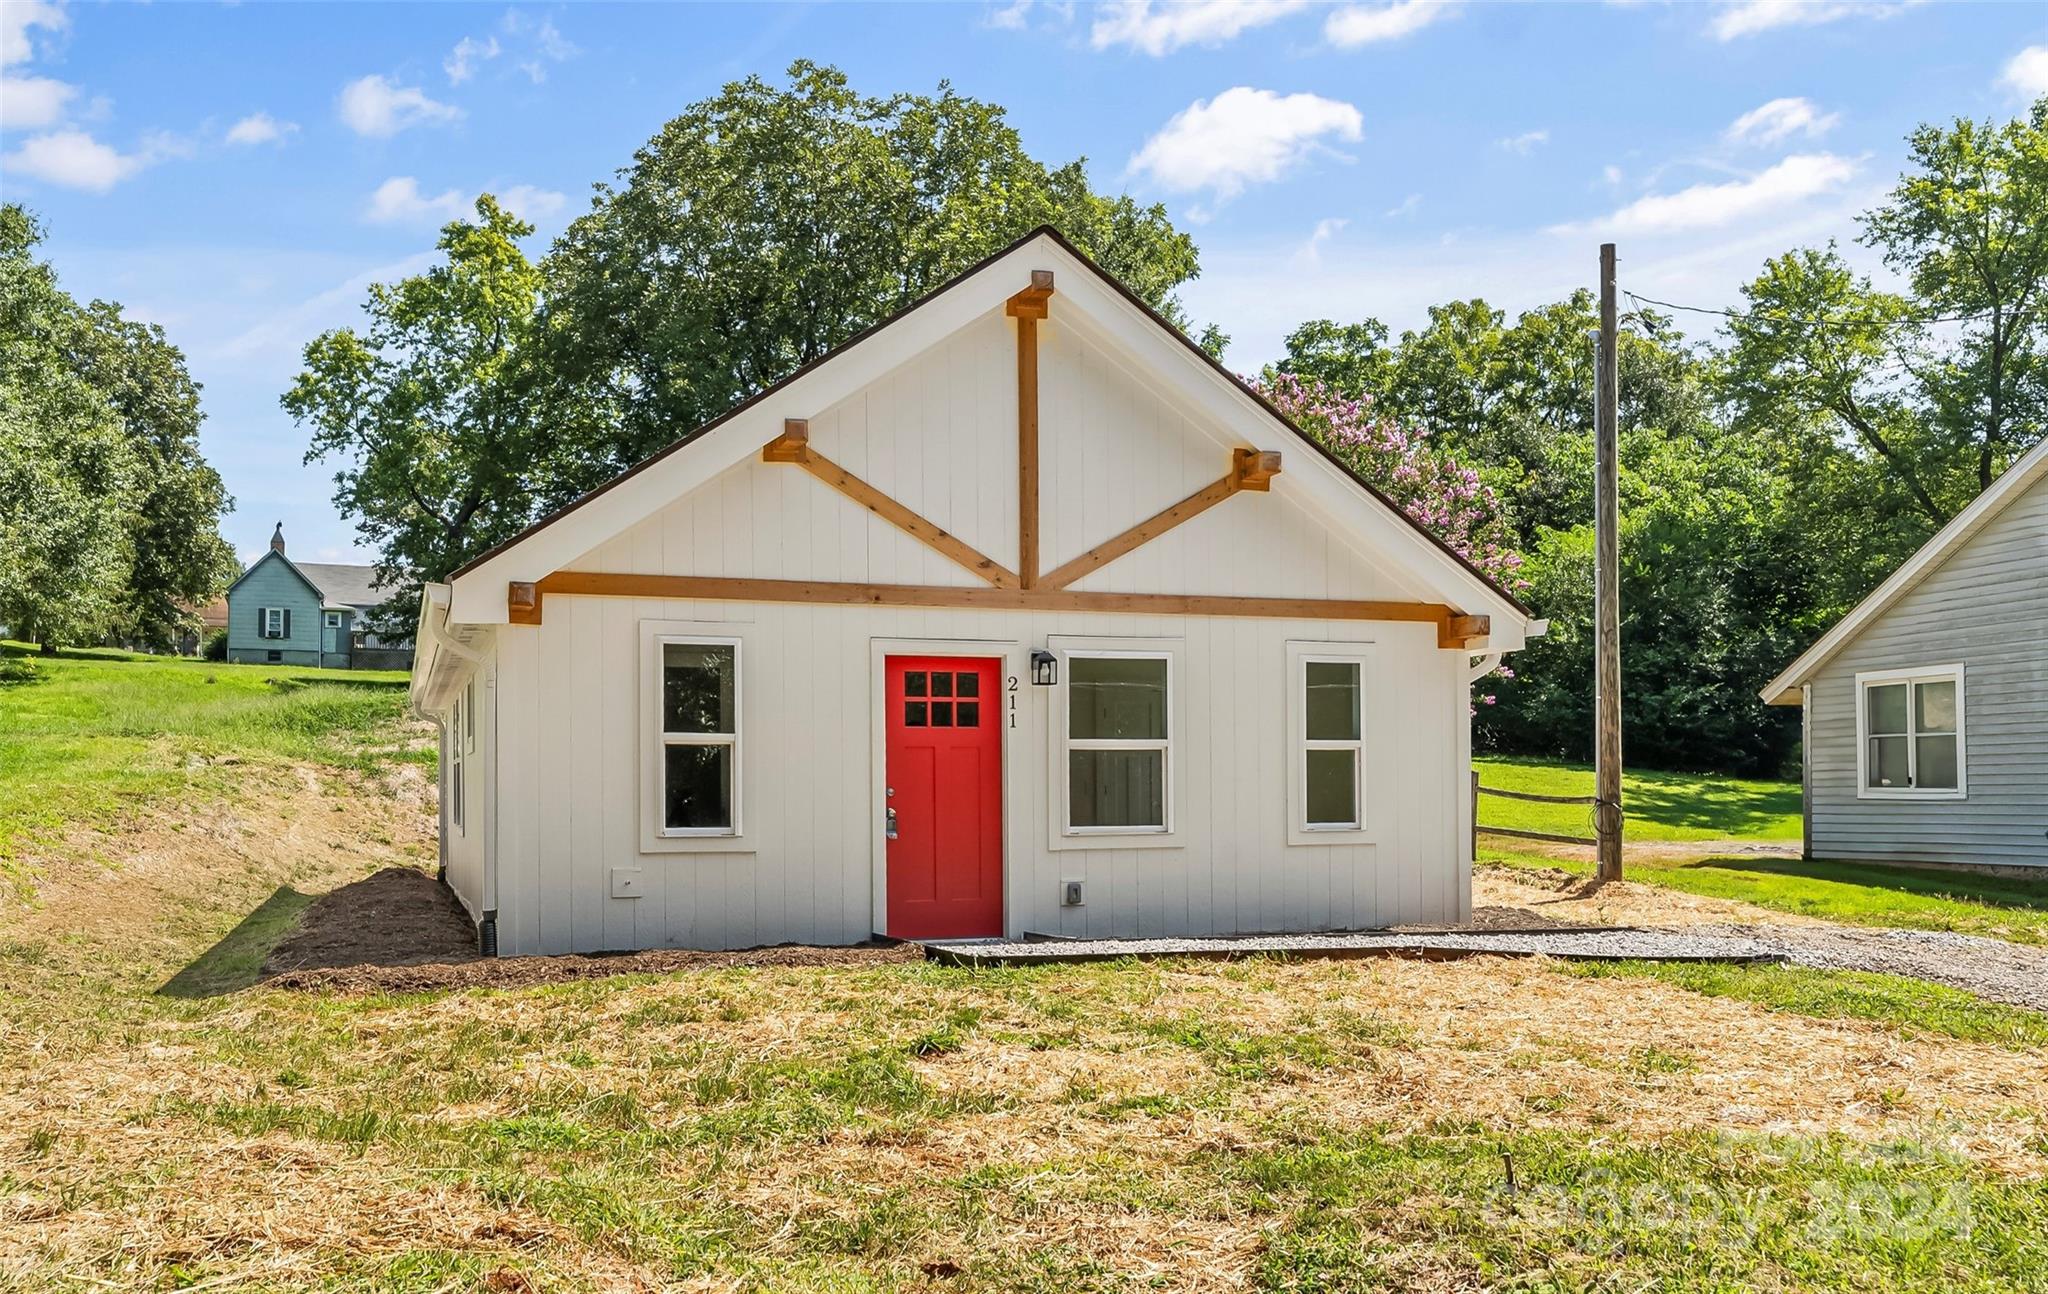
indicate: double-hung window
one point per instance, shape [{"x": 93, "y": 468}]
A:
[
  {"x": 457, "y": 761},
  {"x": 1119, "y": 742},
  {"x": 1910, "y": 733},
  {"x": 1326, "y": 773},
  {"x": 277, "y": 622},
  {"x": 698, "y": 734}
]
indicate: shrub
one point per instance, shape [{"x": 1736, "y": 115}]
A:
[{"x": 216, "y": 645}]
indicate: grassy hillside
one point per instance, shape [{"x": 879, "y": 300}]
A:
[{"x": 85, "y": 734}]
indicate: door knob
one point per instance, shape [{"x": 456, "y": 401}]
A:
[{"x": 889, "y": 823}]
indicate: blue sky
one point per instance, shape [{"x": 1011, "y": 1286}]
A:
[{"x": 240, "y": 173}]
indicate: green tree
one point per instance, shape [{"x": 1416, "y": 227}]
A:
[
  {"x": 66, "y": 468},
  {"x": 764, "y": 226},
  {"x": 429, "y": 412},
  {"x": 1945, "y": 383},
  {"x": 180, "y": 562}
]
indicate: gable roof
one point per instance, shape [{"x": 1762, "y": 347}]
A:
[
  {"x": 2004, "y": 492},
  {"x": 859, "y": 360},
  {"x": 344, "y": 585},
  {"x": 333, "y": 584}
]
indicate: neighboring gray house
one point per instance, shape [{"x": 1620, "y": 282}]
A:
[
  {"x": 282, "y": 612},
  {"x": 1926, "y": 707}
]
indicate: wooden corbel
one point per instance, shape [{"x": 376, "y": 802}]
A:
[
  {"x": 1032, "y": 302},
  {"x": 522, "y": 603}
]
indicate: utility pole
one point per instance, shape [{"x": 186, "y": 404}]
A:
[{"x": 1606, "y": 585}]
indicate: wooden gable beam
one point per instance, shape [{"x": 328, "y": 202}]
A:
[
  {"x": 794, "y": 446},
  {"x": 1455, "y": 630},
  {"x": 1250, "y": 469},
  {"x": 1027, "y": 308}
]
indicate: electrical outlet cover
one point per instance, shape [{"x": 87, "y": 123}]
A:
[{"x": 626, "y": 883}]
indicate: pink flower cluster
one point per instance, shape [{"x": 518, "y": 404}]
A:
[{"x": 1430, "y": 485}]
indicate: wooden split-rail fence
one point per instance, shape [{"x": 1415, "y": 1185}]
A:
[{"x": 1478, "y": 828}]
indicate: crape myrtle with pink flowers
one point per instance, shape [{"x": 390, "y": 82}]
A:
[{"x": 1400, "y": 458}]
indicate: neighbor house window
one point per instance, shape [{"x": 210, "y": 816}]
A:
[
  {"x": 698, "y": 735},
  {"x": 1910, "y": 733},
  {"x": 1119, "y": 744},
  {"x": 277, "y": 622}
]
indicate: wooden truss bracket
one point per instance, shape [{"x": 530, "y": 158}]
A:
[
  {"x": 1250, "y": 469},
  {"x": 794, "y": 446}
]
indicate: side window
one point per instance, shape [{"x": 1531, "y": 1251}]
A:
[
  {"x": 1333, "y": 745},
  {"x": 698, "y": 737}
]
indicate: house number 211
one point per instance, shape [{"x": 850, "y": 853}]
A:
[{"x": 1011, "y": 687}]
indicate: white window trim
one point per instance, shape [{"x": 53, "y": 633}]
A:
[
  {"x": 273, "y": 622},
  {"x": 458, "y": 790},
  {"x": 1922, "y": 674},
  {"x": 656, "y": 837},
  {"x": 1065, "y": 836},
  {"x": 1299, "y": 656}
]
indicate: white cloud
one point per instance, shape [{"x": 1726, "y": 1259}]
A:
[
  {"x": 260, "y": 128},
  {"x": 1525, "y": 143},
  {"x": 32, "y": 102},
  {"x": 73, "y": 159},
  {"x": 532, "y": 204},
  {"x": 375, "y": 106},
  {"x": 2027, "y": 73},
  {"x": 1748, "y": 17},
  {"x": 399, "y": 201},
  {"x": 1241, "y": 137},
  {"x": 1327, "y": 228},
  {"x": 461, "y": 62},
  {"x": 1356, "y": 25},
  {"x": 545, "y": 43},
  {"x": 1705, "y": 206},
  {"x": 1009, "y": 17},
  {"x": 1407, "y": 206},
  {"x": 1778, "y": 119},
  {"x": 1161, "y": 29},
  {"x": 17, "y": 17}
]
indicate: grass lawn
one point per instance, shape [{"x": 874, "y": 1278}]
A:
[
  {"x": 87, "y": 734},
  {"x": 1661, "y": 806},
  {"x": 1181, "y": 1126}
]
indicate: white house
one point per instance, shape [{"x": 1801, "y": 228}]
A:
[
  {"x": 1015, "y": 614},
  {"x": 1926, "y": 707}
]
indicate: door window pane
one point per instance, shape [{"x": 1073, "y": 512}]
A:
[
  {"x": 1937, "y": 763},
  {"x": 697, "y": 788},
  {"x": 913, "y": 683},
  {"x": 1117, "y": 788},
  {"x": 1934, "y": 707},
  {"x": 1887, "y": 710},
  {"x": 967, "y": 685},
  {"x": 1333, "y": 787},
  {"x": 942, "y": 711},
  {"x": 914, "y": 714},
  {"x": 697, "y": 687},
  {"x": 968, "y": 713},
  {"x": 1888, "y": 761},
  {"x": 1116, "y": 699},
  {"x": 942, "y": 683},
  {"x": 1332, "y": 700}
]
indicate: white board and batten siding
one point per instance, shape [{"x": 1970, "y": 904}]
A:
[
  {"x": 930, "y": 435},
  {"x": 1985, "y": 607},
  {"x": 1129, "y": 426}
]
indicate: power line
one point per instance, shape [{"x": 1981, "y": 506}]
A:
[{"x": 1788, "y": 318}]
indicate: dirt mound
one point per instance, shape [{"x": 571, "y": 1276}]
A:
[
  {"x": 399, "y": 916},
  {"x": 523, "y": 972}
]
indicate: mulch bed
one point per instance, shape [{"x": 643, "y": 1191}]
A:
[{"x": 401, "y": 931}]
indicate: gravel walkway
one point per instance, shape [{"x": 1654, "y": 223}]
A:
[
  {"x": 1991, "y": 968},
  {"x": 1593, "y": 945},
  {"x": 2016, "y": 974}
]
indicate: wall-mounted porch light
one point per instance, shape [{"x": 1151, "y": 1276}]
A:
[{"x": 1045, "y": 668}]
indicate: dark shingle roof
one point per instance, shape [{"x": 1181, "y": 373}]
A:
[{"x": 342, "y": 585}]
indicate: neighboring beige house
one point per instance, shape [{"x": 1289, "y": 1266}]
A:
[
  {"x": 1015, "y": 614},
  {"x": 1926, "y": 707}
]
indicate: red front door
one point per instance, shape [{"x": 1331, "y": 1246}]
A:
[{"x": 945, "y": 797}]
